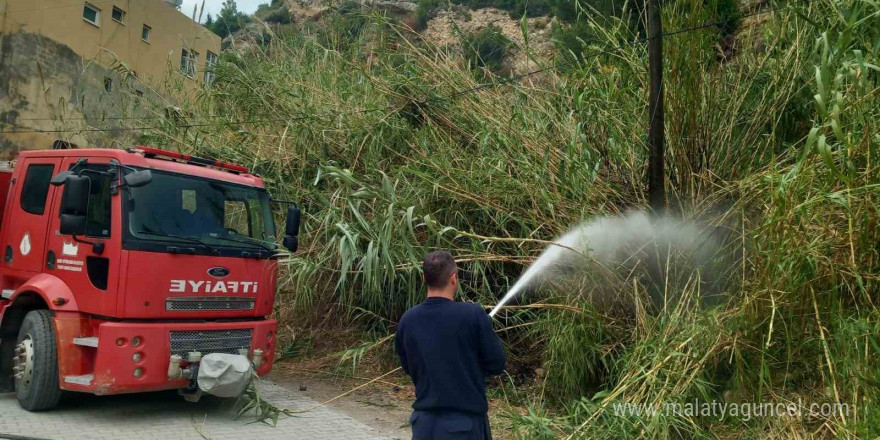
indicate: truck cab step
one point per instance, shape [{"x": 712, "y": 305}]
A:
[
  {"x": 86, "y": 342},
  {"x": 85, "y": 379},
  {"x": 6, "y": 293}
]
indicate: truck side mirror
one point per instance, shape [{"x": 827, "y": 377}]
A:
[
  {"x": 291, "y": 228},
  {"x": 60, "y": 178},
  {"x": 138, "y": 178},
  {"x": 75, "y": 205},
  {"x": 291, "y": 243}
]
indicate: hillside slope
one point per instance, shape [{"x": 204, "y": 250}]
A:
[{"x": 395, "y": 146}]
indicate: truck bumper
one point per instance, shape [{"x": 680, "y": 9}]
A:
[{"x": 126, "y": 357}]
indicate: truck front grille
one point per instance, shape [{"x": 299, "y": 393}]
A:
[
  {"x": 210, "y": 341},
  {"x": 209, "y": 303}
]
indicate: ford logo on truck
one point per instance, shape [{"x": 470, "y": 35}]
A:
[{"x": 218, "y": 271}]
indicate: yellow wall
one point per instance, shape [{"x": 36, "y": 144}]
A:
[
  {"x": 62, "y": 21},
  {"x": 54, "y": 64}
]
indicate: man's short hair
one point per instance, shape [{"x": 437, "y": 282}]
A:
[{"x": 438, "y": 267}]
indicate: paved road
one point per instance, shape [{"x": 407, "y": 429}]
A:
[{"x": 165, "y": 415}]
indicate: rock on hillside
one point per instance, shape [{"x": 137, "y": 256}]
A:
[
  {"x": 446, "y": 28},
  {"x": 304, "y": 10}
]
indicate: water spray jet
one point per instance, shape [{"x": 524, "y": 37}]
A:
[{"x": 621, "y": 243}]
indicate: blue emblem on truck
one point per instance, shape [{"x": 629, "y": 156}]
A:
[{"x": 218, "y": 271}]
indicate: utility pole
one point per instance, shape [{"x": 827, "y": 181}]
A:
[{"x": 656, "y": 130}]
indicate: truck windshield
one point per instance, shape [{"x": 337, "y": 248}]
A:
[{"x": 185, "y": 209}]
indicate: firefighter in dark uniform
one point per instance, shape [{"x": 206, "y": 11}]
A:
[{"x": 448, "y": 348}]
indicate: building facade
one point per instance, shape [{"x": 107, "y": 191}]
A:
[{"x": 92, "y": 73}]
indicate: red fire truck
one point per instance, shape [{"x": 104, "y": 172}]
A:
[{"x": 122, "y": 268}]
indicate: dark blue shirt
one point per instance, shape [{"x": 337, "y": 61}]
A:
[{"x": 448, "y": 348}]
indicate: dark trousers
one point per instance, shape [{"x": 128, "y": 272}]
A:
[{"x": 441, "y": 425}]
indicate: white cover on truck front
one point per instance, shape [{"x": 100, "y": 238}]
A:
[{"x": 224, "y": 375}]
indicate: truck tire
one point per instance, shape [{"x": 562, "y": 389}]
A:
[{"x": 36, "y": 383}]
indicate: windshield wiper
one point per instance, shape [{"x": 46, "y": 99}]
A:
[
  {"x": 178, "y": 237},
  {"x": 252, "y": 243}
]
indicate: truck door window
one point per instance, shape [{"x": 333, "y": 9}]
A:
[
  {"x": 98, "y": 215},
  {"x": 255, "y": 210},
  {"x": 36, "y": 188},
  {"x": 99, "y": 207}
]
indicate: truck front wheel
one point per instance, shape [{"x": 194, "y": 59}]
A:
[{"x": 36, "y": 363}]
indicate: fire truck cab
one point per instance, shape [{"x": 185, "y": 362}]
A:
[{"x": 121, "y": 269}]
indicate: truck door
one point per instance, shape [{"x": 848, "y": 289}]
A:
[
  {"x": 26, "y": 221},
  {"x": 90, "y": 272}
]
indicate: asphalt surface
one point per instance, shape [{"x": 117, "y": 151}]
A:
[{"x": 165, "y": 415}]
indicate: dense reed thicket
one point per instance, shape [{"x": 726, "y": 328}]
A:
[{"x": 774, "y": 143}]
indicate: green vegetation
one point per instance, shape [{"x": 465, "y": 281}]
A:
[
  {"x": 776, "y": 146},
  {"x": 486, "y": 49},
  {"x": 517, "y": 8},
  {"x": 343, "y": 29},
  {"x": 427, "y": 10},
  {"x": 274, "y": 12},
  {"x": 230, "y": 20},
  {"x": 564, "y": 9}
]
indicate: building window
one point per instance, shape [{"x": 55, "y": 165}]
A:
[
  {"x": 145, "y": 33},
  {"x": 108, "y": 84},
  {"x": 36, "y": 188},
  {"x": 210, "y": 61},
  {"x": 188, "y": 60},
  {"x": 118, "y": 15},
  {"x": 92, "y": 14}
]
